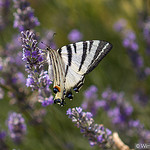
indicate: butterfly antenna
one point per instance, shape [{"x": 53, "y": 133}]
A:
[
  {"x": 46, "y": 45},
  {"x": 50, "y": 41}
]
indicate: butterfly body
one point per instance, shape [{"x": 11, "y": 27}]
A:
[{"x": 69, "y": 65}]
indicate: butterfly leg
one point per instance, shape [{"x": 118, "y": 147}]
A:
[
  {"x": 69, "y": 95},
  {"x": 60, "y": 102}
]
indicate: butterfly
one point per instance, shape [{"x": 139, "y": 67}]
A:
[{"x": 68, "y": 66}]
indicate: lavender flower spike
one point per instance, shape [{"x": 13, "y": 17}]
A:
[
  {"x": 33, "y": 57},
  {"x": 38, "y": 78},
  {"x": 97, "y": 134},
  {"x": 17, "y": 127},
  {"x": 24, "y": 17}
]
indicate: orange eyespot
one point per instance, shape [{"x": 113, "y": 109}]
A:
[{"x": 58, "y": 88}]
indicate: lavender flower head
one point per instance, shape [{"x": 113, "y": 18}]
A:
[
  {"x": 91, "y": 101},
  {"x": 130, "y": 41},
  {"x": 75, "y": 35},
  {"x": 38, "y": 78},
  {"x": 96, "y": 134},
  {"x": 120, "y": 25},
  {"x": 32, "y": 55},
  {"x": 117, "y": 108},
  {"x": 24, "y": 17},
  {"x": 131, "y": 45},
  {"x": 17, "y": 127}
]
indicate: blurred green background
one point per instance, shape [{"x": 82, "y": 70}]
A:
[{"x": 95, "y": 20}]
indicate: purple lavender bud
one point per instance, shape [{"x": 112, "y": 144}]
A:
[
  {"x": 48, "y": 101},
  {"x": 129, "y": 41},
  {"x": 40, "y": 59},
  {"x": 89, "y": 115},
  {"x": 100, "y": 138},
  {"x": 69, "y": 112},
  {"x": 2, "y": 134},
  {"x": 108, "y": 132},
  {"x": 30, "y": 81},
  {"x": 90, "y": 93},
  {"x": 128, "y": 110},
  {"x": 75, "y": 35},
  {"x": 24, "y": 16},
  {"x": 79, "y": 109},
  {"x": 17, "y": 127},
  {"x": 120, "y": 25},
  {"x": 134, "y": 123},
  {"x": 90, "y": 101},
  {"x": 34, "y": 54}
]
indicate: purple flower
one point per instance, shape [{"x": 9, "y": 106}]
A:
[
  {"x": 79, "y": 109},
  {"x": 40, "y": 59},
  {"x": 129, "y": 41},
  {"x": 17, "y": 127},
  {"x": 75, "y": 35},
  {"x": 120, "y": 25},
  {"x": 24, "y": 16},
  {"x": 89, "y": 115},
  {"x": 30, "y": 81},
  {"x": 69, "y": 112},
  {"x": 100, "y": 138},
  {"x": 90, "y": 100},
  {"x": 34, "y": 54},
  {"x": 2, "y": 134},
  {"x": 96, "y": 133},
  {"x": 48, "y": 101},
  {"x": 31, "y": 53},
  {"x": 131, "y": 45},
  {"x": 108, "y": 132}
]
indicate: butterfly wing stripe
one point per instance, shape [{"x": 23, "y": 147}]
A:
[
  {"x": 75, "y": 47},
  {"x": 83, "y": 55},
  {"x": 66, "y": 71},
  {"x": 91, "y": 43},
  {"x": 69, "y": 50}
]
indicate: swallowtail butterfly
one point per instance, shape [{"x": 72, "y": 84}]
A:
[{"x": 69, "y": 65}]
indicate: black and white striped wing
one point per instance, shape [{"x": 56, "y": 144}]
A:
[{"x": 81, "y": 58}]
